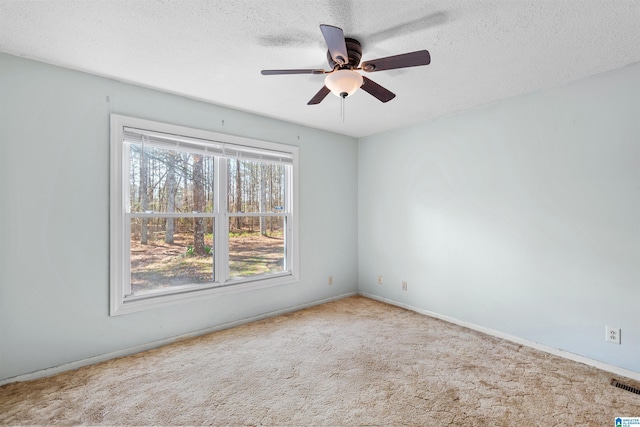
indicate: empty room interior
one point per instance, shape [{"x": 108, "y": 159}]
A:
[{"x": 319, "y": 212}]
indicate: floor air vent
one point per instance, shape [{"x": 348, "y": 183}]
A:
[{"x": 624, "y": 386}]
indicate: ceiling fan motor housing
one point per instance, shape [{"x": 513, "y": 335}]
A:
[{"x": 354, "y": 51}]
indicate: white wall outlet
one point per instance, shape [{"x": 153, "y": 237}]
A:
[
  {"x": 404, "y": 285},
  {"x": 330, "y": 281},
  {"x": 612, "y": 335},
  {"x": 379, "y": 280}
]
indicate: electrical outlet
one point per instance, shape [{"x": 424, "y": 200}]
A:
[
  {"x": 379, "y": 280},
  {"x": 612, "y": 335},
  {"x": 404, "y": 285},
  {"x": 330, "y": 281}
]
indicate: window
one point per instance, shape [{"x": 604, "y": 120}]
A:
[{"x": 195, "y": 213}]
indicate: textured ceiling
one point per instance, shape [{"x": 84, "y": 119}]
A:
[{"x": 481, "y": 50}]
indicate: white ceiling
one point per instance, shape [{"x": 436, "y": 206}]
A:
[{"x": 481, "y": 50}]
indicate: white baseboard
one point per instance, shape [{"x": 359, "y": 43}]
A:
[
  {"x": 542, "y": 347},
  {"x": 154, "y": 344}
]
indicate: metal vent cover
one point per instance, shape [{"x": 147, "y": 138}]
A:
[{"x": 616, "y": 383}]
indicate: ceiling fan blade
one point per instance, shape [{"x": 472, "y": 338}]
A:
[
  {"x": 318, "y": 97},
  {"x": 373, "y": 88},
  {"x": 411, "y": 59},
  {"x": 334, "y": 37},
  {"x": 276, "y": 72}
]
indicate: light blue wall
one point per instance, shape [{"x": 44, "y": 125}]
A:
[
  {"x": 54, "y": 216},
  {"x": 522, "y": 217}
]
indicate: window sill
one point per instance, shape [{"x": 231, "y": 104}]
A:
[{"x": 157, "y": 300}]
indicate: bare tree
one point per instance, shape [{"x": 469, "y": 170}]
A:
[
  {"x": 144, "y": 196},
  {"x": 172, "y": 188},
  {"x": 198, "y": 206},
  {"x": 263, "y": 198},
  {"x": 238, "y": 195}
]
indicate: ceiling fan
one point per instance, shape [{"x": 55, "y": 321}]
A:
[{"x": 344, "y": 56}]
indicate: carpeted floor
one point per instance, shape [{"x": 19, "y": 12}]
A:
[{"x": 351, "y": 362}]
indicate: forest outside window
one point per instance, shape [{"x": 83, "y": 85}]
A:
[{"x": 195, "y": 213}]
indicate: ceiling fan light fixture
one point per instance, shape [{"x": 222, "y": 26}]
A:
[{"x": 341, "y": 82}]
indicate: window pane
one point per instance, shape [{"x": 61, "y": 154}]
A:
[
  {"x": 255, "y": 187},
  {"x": 254, "y": 252},
  {"x": 168, "y": 252},
  {"x": 162, "y": 180}
]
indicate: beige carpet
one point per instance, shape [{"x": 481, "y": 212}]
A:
[{"x": 350, "y": 362}]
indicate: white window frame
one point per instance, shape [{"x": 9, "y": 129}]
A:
[{"x": 120, "y": 282}]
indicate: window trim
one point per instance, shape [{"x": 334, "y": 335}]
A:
[{"x": 118, "y": 302}]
